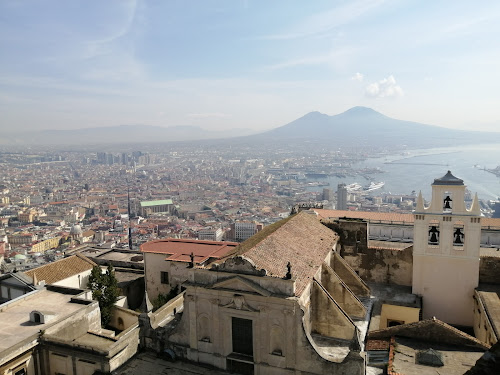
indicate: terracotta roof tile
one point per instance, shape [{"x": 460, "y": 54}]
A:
[
  {"x": 432, "y": 330},
  {"x": 179, "y": 250},
  {"x": 387, "y": 217},
  {"x": 301, "y": 240},
  {"x": 61, "y": 269},
  {"x": 375, "y": 216},
  {"x": 377, "y": 345}
]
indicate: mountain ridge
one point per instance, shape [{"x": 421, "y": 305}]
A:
[{"x": 357, "y": 126}]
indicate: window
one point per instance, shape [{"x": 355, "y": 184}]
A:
[
  {"x": 394, "y": 323},
  {"x": 164, "y": 277},
  {"x": 458, "y": 235},
  {"x": 447, "y": 202},
  {"x": 433, "y": 236},
  {"x": 20, "y": 371},
  {"x": 242, "y": 336}
]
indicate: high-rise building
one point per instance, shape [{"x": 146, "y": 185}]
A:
[
  {"x": 327, "y": 194},
  {"x": 102, "y": 158},
  {"x": 341, "y": 197}
]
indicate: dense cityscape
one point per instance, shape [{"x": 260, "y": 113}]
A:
[
  {"x": 248, "y": 187},
  {"x": 205, "y": 194}
]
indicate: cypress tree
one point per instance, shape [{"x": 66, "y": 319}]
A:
[{"x": 105, "y": 291}]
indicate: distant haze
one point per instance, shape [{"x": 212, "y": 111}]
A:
[
  {"x": 249, "y": 64},
  {"x": 358, "y": 126}
]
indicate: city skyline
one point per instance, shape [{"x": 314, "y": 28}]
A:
[{"x": 248, "y": 64}]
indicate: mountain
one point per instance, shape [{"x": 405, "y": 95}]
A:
[
  {"x": 356, "y": 127},
  {"x": 361, "y": 125},
  {"x": 119, "y": 134}
]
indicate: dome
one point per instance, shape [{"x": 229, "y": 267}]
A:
[
  {"x": 448, "y": 179},
  {"x": 76, "y": 230}
]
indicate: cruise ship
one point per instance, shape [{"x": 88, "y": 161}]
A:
[
  {"x": 374, "y": 186},
  {"x": 353, "y": 187}
]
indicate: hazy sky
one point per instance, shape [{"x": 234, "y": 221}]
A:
[{"x": 246, "y": 64}]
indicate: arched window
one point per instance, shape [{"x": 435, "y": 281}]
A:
[
  {"x": 37, "y": 318},
  {"x": 458, "y": 234},
  {"x": 277, "y": 340},
  {"x": 203, "y": 328},
  {"x": 433, "y": 235},
  {"x": 121, "y": 325}
]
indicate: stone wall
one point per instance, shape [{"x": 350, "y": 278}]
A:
[
  {"x": 384, "y": 265},
  {"x": 489, "y": 270},
  {"x": 353, "y": 234}
]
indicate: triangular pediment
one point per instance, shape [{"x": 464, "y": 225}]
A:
[
  {"x": 432, "y": 330},
  {"x": 241, "y": 284}
]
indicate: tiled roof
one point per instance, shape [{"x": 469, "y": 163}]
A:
[
  {"x": 179, "y": 250},
  {"x": 61, "y": 269},
  {"x": 490, "y": 222},
  {"x": 432, "y": 330},
  {"x": 377, "y": 345},
  {"x": 300, "y": 239},
  {"x": 375, "y": 216},
  {"x": 385, "y": 245},
  {"x": 387, "y": 217}
]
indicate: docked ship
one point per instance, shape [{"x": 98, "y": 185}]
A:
[
  {"x": 374, "y": 186},
  {"x": 353, "y": 187}
]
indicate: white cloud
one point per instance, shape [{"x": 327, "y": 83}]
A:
[
  {"x": 358, "y": 77},
  {"x": 385, "y": 88}
]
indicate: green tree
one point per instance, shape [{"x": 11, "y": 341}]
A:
[{"x": 104, "y": 287}]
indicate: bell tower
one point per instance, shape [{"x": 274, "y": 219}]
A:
[{"x": 446, "y": 241}]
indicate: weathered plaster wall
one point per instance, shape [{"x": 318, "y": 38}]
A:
[
  {"x": 281, "y": 345},
  {"x": 436, "y": 287},
  {"x": 88, "y": 319},
  {"x": 353, "y": 234},
  {"x": 122, "y": 318},
  {"x": 383, "y": 265},
  {"x": 341, "y": 293},
  {"x": 335, "y": 323},
  {"x": 404, "y": 314},
  {"x": 78, "y": 281},
  {"x": 155, "y": 264},
  {"x": 348, "y": 276}
]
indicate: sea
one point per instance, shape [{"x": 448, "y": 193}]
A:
[{"x": 415, "y": 170}]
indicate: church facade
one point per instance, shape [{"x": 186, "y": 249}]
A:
[{"x": 284, "y": 303}]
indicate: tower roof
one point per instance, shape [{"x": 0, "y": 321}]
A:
[{"x": 448, "y": 179}]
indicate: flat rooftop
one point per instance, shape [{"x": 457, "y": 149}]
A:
[
  {"x": 456, "y": 360},
  {"x": 156, "y": 203},
  {"x": 15, "y": 316},
  {"x": 179, "y": 250},
  {"x": 124, "y": 256}
]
